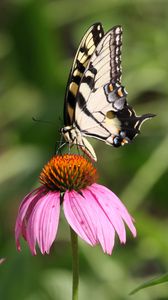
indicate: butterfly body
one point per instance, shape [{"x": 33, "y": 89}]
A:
[{"x": 95, "y": 101}]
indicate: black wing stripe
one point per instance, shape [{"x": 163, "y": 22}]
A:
[
  {"x": 80, "y": 67},
  {"x": 86, "y": 48},
  {"x": 89, "y": 81}
]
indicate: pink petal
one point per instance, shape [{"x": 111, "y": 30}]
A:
[
  {"x": 104, "y": 230},
  {"x": 80, "y": 216},
  {"x": 110, "y": 211},
  {"x": 119, "y": 206},
  {"x": 114, "y": 210},
  {"x": 49, "y": 222},
  {"x": 25, "y": 209},
  {"x": 42, "y": 224}
]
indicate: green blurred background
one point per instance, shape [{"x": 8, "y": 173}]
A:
[{"x": 38, "y": 40}]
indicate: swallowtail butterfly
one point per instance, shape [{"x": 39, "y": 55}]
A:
[{"x": 95, "y": 101}]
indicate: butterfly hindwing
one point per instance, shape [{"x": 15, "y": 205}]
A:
[{"x": 85, "y": 50}]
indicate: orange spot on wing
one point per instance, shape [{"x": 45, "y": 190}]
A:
[
  {"x": 120, "y": 93},
  {"x": 110, "y": 87}
]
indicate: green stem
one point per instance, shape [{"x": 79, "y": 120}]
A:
[{"x": 75, "y": 264}]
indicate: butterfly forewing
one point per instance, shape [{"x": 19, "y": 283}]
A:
[
  {"x": 92, "y": 103},
  {"x": 105, "y": 63},
  {"x": 86, "y": 48}
]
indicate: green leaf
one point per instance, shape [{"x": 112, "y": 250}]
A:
[{"x": 155, "y": 281}]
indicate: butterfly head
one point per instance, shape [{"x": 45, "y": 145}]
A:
[{"x": 73, "y": 136}]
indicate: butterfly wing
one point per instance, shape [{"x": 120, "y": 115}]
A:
[
  {"x": 94, "y": 99},
  {"x": 85, "y": 50},
  {"x": 101, "y": 109}
]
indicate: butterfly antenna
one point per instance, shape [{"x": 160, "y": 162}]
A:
[
  {"x": 42, "y": 121},
  {"x": 61, "y": 145}
]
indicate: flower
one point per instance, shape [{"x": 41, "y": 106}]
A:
[{"x": 93, "y": 211}]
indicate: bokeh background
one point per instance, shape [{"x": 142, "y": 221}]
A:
[{"x": 38, "y": 40}]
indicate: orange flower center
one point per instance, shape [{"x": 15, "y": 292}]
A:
[{"x": 68, "y": 172}]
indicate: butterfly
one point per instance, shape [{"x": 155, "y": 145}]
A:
[{"x": 95, "y": 102}]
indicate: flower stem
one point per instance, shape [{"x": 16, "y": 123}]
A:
[{"x": 75, "y": 264}]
